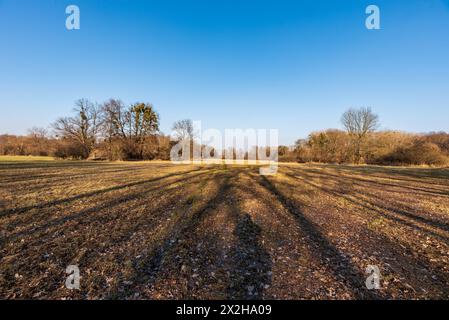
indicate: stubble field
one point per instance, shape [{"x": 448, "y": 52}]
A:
[{"x": 164, "y": 231}]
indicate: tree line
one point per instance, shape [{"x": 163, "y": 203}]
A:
[
  {"x": 116, "y": 131},
  {"x": 110, "y": 131},
  {"x": 360, "y": 142}
]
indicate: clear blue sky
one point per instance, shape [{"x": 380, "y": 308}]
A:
[{"x": 291, "y": 65}]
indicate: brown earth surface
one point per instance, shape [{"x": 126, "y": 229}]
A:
[{"x": 164, "y": 231}]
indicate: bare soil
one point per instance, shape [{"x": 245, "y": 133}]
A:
[{"x": 164, "y": 231}]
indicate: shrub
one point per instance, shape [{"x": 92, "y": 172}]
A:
[
  {"x": 68, "y": 149},
  {"x": 420, "y": 153}
]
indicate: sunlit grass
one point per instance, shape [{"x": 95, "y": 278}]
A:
[{"x": 24, "y": 158}]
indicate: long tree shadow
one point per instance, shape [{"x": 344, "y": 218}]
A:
[
  {"x": 404, "y": 261},
  {"x": 427, "y": 190},
  {"x": 46, "y": 164},
  {"x": 146, "y": 272},
  {"x": 367, "y": 204},
  {"x": 57, "y": 176},
  {"x": 91, "y": 194},
  {"x": 252, "y": 264},
  {"x": 399, "y": 174},
  {"x": 385, "y": 214},
  {"x": 326, "y": 251},
  {"x": 121, "y": 230},
  {"x": 92, "y": 210}
]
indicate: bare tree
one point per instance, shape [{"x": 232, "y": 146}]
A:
[
  {"x": 38, "y": 133},
  {"x": 38, "y": 142},
  {"x": 113, "y": 127},
  {"x": 83, "y": 128},
  {"x": 183, "y": 130},
  {"x": 359, "y": 123},
  {"x": 135, "y": 126},
  {"x": 114, "y": 119}
]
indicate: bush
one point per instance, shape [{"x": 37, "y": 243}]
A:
[
  {"x": 68, "y": 149},
  {"x": 420, "y": 153},
  {"x": 441, "y": 139}
]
